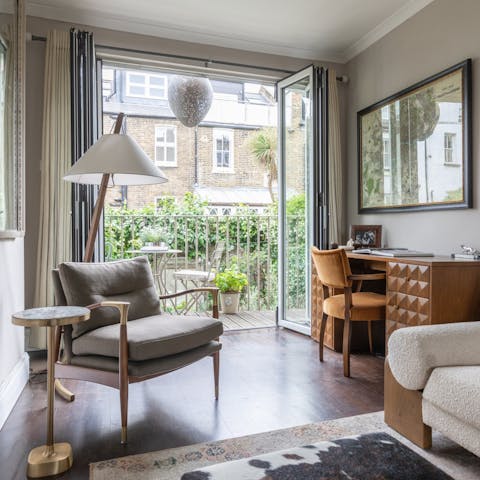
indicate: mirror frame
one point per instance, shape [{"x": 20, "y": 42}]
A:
[
  {"x": 18, "y": 229},
  {"x": 465, "y": 68}
]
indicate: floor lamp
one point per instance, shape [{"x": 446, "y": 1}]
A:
[{"x": 115, "y": 159}]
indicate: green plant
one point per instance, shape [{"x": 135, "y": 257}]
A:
[
  {"x": 231, "y": 280},
  {"x": 152, "y": 234},
  {"x": 263, "y": 145}
]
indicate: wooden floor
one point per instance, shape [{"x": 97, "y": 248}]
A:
[
  {"x": 248, "y": 319},
  {"x": 269, "y": 379}
]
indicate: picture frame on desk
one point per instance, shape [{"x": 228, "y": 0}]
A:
[{"x": 366, "y": 235}]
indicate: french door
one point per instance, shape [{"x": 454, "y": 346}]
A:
[{"x": 302, "y": 190}]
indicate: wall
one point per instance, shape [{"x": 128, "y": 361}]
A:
[
  {"x": 442, "y": 34},
  {"x": 35, "y": 55},
  {"x": 13, "y": 361}
]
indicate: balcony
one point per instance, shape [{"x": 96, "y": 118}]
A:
[{"x": 251, "y": 242}]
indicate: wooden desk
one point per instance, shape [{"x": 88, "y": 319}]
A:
[{"x": 419, "y": 291}]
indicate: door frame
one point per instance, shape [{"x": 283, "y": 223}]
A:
[{"x": 317, "y": 224}]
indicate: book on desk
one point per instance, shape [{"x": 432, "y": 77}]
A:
[{"x": 393, "y": 252}]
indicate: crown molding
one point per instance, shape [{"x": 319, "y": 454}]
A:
[
  {"x": 401, "y": 15},
  {"x": 162, "y": 30},
  {"x": 77, "y": 16}
]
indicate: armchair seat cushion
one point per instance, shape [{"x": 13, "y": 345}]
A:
[
  {"x": 151, "y": 337},
  {"x": 366, "y": 306},
  {"x": 456, "y": 391}
]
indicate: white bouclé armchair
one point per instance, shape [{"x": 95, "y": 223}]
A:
[{"x": 432, "y": 381}]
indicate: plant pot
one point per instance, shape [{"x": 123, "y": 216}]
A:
[{"x": 229, "y": 302}]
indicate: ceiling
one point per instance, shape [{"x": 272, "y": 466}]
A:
[{"x": 331, "y": 30}]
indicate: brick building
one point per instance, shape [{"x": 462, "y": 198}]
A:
[{"x": 215, "y": 160}]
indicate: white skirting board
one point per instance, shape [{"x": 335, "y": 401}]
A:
[{"x": 12, "y": 387}]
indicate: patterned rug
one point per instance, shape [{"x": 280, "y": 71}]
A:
[
  {"x": 171, "y": 464},
  {"x": 374, "y": 456}
]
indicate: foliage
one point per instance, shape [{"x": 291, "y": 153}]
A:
[
  {"x": 231, "y": 280},
  {"x": 152, "y": 234},
  {"x": 263, "y": 145},
  {"x": 251, "y": 242}
]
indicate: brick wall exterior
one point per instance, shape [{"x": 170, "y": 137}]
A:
[{"x": 247, "y": 171}]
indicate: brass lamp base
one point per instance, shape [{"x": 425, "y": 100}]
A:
[{"x": 41, "y": 463}]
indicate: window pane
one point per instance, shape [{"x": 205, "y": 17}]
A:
[
  {"x": 226, "y": 143},
  {"x": 160, "y": 154},
  {"x": 137, "y": 79},
  {"x": 160, "y": 134},
  {"x": 219, "y": 159},
  {"x": 226, "y": 159},
  {"x": 157, "y": 92},
  {"x": 170, "y": 135},
  {"x": 157, "y": 81},
  {"x": 219, "y": 144},
  {"x": 137, "y": 90},
  {"x": 171, "y": 154}
]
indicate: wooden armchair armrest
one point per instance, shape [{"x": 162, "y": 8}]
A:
[
  {"x": 213, "y": 290},
  {"x": 360, "y": 277},
  {"x": 367, "y": 276},
  {"x": 122, "y": 307}
]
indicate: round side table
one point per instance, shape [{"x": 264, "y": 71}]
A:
[{"x": 52, "y": 458}]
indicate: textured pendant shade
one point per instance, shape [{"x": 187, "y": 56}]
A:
[
  {"x": 190, "y": 98},
  {"x": 121, "y": 157}
]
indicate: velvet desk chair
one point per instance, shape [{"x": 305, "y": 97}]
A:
[
  {"x": 128, "y": 339},
  {"x": 333, "y": 269}
]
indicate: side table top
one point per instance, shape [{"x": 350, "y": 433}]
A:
[{"x": 50, "y": 316}]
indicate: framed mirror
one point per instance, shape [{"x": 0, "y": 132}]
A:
[
  {"x": 12, "y": 88},
  {"x": 415, "y": 146}
]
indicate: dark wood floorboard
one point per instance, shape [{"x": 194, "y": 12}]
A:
[{"x": 269, "y": 379}]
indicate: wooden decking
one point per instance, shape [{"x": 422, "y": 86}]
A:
[{"x": 248, "y": 319}]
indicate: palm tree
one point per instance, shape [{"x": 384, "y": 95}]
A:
[{"x": 264, "y": 147}]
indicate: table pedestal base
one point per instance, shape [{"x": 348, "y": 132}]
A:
[{"x": 43, "y": 464}]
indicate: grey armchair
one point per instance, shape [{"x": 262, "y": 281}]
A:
[{"x": 128, "y": 339}]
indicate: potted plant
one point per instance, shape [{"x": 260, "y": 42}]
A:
[
  {"x": 230, "y": 282},
  {"x": 152, "y": 236}
]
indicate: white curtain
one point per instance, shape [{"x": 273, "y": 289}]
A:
[
  {"x": 54, "y": 237},
  {"x": 335, "y": 170}
]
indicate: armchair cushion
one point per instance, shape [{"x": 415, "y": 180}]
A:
[
  {"x": 456, "y": 390},
  {"x": 151, "y": 337},
  {"x": 415, "y": 351},
  {"x": 126, "y": 280},
  {"x": 365, "y": 306}
]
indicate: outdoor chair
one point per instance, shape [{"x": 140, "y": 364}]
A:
[
  {"x": 333, "y": 269},
  {"x": 128, "y": 339},
  {"x": 201, "y": 278}
]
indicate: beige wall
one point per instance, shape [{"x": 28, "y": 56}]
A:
[
  {"x": 443, "y": 34},
  {"x": 35, "y": 55}
]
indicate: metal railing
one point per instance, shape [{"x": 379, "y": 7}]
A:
[{"x": 251, "y": 242}]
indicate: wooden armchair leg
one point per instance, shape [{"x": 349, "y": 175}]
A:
[
  {"x": 124, "y": 411},
  {"x": 347, "y": 339},
  {"x": 403, "y": 411},
  {"x": 59, "y": 388},
  {"x": 322, "y": 335},
  {"x": 370, "y": 337},
  {"x": 216, "y": 372}
]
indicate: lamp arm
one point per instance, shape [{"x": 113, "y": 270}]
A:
[{"x": 97, "y": 212}]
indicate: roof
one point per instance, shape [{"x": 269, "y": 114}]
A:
[{"x": 234, "y": 196}]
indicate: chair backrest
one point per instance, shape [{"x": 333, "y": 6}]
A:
[
  {"x": 129, "y": 280},
  {"x": 216, "y": 257},
  {"x": 332, "y": 267}
]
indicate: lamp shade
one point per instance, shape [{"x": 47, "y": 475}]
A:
[{"x": 120, "y": 156}]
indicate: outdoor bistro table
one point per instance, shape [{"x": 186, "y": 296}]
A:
[
  {"x": 160, "y": 257},
  {"x": 52, "y": 458}
]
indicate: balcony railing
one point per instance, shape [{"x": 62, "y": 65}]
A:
[{"x": 251, "y": 241}]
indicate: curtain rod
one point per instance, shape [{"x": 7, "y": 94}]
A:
[{"x": 206, "y": 61}]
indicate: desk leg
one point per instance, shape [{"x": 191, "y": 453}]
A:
[{"x": 52, "y": 458}]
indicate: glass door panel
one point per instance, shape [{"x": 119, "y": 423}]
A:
[{"x": 299, "y": 135}]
